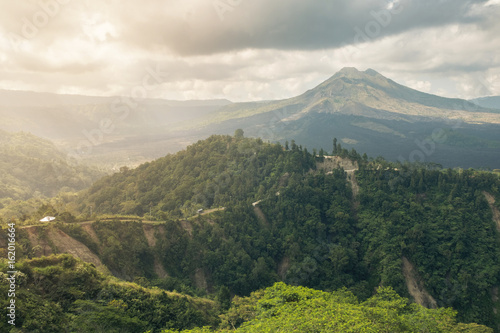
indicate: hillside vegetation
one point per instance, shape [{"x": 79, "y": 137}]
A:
[
  {"x": 33, "y": 169},
  {"x": 291, "y": 215},
  {"x": 32, "y": 166},
  {"x": 218, "y": 171},
  {"x": 283, "y": 308},
  {"x": 61, "y": 294}
]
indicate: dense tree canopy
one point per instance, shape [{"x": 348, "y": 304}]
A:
[
  {"x": 299, "y": 218},
  {"x": 283, "y": 308},
  {"x": 62, "y": 294}
]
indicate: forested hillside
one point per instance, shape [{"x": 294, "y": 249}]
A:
[
  {"x": 324, "y": 222},
  {"x": 219, "y": 171},
  {"x": 61, "y": 294},
  {"x": 34, "y": 167},
  {"x": 283, "y": 308}
]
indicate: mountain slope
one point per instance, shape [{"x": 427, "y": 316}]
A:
[
  {"x": 208, "y": 173},
  {"x": 488, "y": 102},
  {"x": 365, "y": 110},
  {"x": 318, "y": 231},
  {"x": 31, "y": 167},
  {"x": 371, "y": 113},
  {"x": 353, "y": 92},
  {"x": 375, "y": 91}
]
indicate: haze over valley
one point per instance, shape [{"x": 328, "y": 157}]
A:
[{"x": 366, "y": 110}]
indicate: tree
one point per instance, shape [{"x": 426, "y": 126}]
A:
[
  {"x": 224, "y": 298},
  {"x": 365, "y": 158},
  {"x": 238, "y": 134},
  {"x": 321, "y": 154}
]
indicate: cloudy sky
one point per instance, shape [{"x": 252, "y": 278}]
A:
[{"x": 246, "y": 49}]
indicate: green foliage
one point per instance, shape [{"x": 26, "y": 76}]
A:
[
  {"x": 124, "y": 248},
  {"x": 283, "y": 308},
  {"x": 210, "y": 173},
  {"x": 286, "y": 221},
  {"x": 224, "y": 298},
  {"x": 238, "y": 134},
  {"x": 442, "y": 223},
  {"x": 87, "y": 316},
  {"x": 31, "y": 166},
  {"x": 62, "y": 294}
]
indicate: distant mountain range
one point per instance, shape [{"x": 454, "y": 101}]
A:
[{"x": 363, "y": 109}]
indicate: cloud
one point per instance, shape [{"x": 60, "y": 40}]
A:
[
  {"x": 195, "y": 27},
  {"x": 206, "y": 27},
  {"x": 247, "y": 49},
  {"x": 424, "y": 86}
]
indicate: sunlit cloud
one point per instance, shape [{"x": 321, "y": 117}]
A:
[{"x": 252, "y": 50}]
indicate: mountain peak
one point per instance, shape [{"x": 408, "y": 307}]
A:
[
  {"x": 355, "y": 73},
  {"x": 373, "y": 90},
  {"x": 371, "y": 72},
  {"x": 348, "y": 70}
]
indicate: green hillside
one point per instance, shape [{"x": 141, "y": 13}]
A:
[
  {"x": 33, "y": 167},
  {"x": 310, "y": 226},
  {"x": 211, "y": 173},
  {"x": 274, "y": 213},
  {"x": 61, "y": 294}
]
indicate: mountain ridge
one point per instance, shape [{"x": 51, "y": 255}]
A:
[
  {"x": 19, "y": 97},
  {"x": 364, "y": 109},
  {"x": 382, "y": 82},
  {"x": 394, "y": 120},
  {"x": 353, "y": 92},
  {"x": 488, "y": 101}
]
